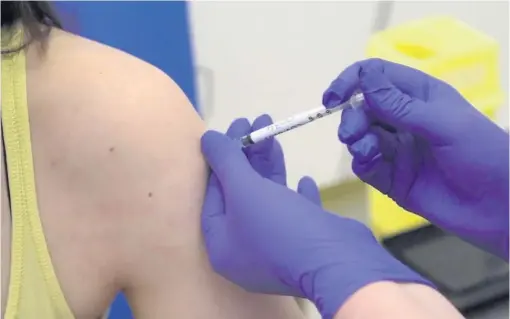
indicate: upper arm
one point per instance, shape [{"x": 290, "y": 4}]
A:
[{"x": 142, "y": 168}]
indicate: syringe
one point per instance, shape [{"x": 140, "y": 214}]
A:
[{"x": 298, "y": 120}]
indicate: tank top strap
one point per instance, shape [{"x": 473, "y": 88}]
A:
[{"x": 34, "y": 291}]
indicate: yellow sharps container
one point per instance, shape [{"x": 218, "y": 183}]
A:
[{"x": 450, "y": 50}]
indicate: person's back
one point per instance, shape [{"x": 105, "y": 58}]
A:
[{"x": 116, "y": 190}]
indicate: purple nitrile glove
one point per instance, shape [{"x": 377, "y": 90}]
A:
[
  {"x": 420, "y": 142},
  {"x": 268, "y": 238}
]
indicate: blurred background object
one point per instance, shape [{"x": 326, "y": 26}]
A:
[{"x": 240, "y": 59}]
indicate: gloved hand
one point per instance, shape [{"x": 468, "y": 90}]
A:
[
  {"x": 420, "y": 142},
  {"x": 267, "y": 238}
]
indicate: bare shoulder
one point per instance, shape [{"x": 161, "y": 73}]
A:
[
  {"x": 103, "y": 90},
  {"x": 119, "y": 129},
  {"x": 111, "y": 111}
]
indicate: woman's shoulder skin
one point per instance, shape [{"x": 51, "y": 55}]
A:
[{"x": 120, "y": 181}]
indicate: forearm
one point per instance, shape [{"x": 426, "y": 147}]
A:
[{"x": 388, "y": 300}]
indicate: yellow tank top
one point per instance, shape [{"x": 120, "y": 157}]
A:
[{"x": 34, "y": 291}]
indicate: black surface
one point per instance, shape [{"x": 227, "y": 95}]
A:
[
  {"x": 497, "y": 309},
  {"x": 465, "y": 274},
  {"x": 455, "y": 264}
]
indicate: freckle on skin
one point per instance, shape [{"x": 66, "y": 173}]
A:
[
  {"x": 112, "y": 149},
  {"x": 150, "y": 194}
]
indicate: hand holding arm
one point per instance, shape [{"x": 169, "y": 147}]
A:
[{"x": 267, "y": 238}]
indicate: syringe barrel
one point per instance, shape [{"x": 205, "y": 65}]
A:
[{"x": 298, "y": 120}]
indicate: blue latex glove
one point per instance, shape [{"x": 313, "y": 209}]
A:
[
  {"x": 268, "y": 238},
  {"x": 421, "y": 143}
]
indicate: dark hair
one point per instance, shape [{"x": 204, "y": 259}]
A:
[{"x": 36, "y": 17}]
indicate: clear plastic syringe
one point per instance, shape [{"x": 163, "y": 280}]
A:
[{"x": 298, "y": 120}]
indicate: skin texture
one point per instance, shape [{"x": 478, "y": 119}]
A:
[
  {"x": 120, "y": 180},
  {"x": 389, "y": 300}
]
